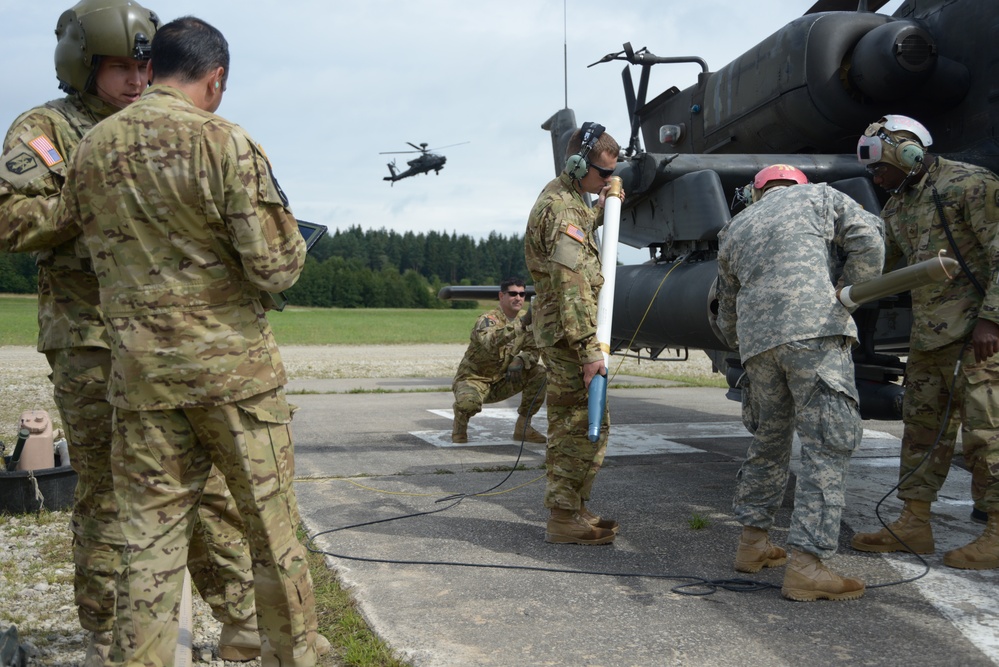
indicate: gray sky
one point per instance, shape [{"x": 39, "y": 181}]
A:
[{"x": 324, "y": 86}]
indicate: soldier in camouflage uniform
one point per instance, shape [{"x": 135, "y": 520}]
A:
[
  {"x": 779, "y": 309},
  {"x": 564, "y": 260},
  {"x": 501, "y": 361},
  {"x": 100, "y": 60},
  {"x": 953, "y": 323},
  {"x": 189, "y": 233}
]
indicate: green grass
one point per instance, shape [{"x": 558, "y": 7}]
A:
[
  {"x": 340, "y": 622},
  {"x": 19, "y": 323},
  {"x": 299, "y": 326}
]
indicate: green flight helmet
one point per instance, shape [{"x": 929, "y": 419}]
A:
[{"x": 94, "y": 28}]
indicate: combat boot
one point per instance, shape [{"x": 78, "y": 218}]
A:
[
  {"x": 567, "y": 527},
  {"x": 807, "y": 579},
  {"x": 459, "y": 432},
  {"x": 756, "y": 552},
  {"x": 98, "y": 649},
  {"x": 240, "y": 642},
  {"x": 982, "y": 554},
  {"x": 596, "y": 521},
  {"x": 913, "y": 528},
  {"x": 524, "y": 431}
]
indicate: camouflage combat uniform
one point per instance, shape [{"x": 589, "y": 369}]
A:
[
  {"x": 73, "y": 338},
  {"x": 943, "y": 317},
  {"x": 188, "y": 232},
  {"x": 777, "y": 304},
  {"x": 494, "y": 342},
  {"x": 564, "y": 260}
]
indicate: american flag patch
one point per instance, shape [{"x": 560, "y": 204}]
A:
[
  {"x": 575, "y": 232},
  {"x": 45, "y": 150}
]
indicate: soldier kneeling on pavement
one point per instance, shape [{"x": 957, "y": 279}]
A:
[{"x": 501, "y": 361}]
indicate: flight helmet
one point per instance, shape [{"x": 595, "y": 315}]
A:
[
  {"x": 95, "y": 28},
  {"x": 898, "y": 140}
]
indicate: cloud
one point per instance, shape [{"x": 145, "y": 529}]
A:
[{"x": 325, "y": 87}]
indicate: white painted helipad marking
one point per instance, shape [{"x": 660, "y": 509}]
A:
[
  {"x": 968, "y": 599},
  {"x": 494, "y": 426}
]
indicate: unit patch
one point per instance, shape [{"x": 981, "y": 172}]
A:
[
  {"x": 45, "y": 150},
  {"x": 21, "y": 163}
]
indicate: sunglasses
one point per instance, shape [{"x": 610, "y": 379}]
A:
[
  {"x": 604, "y": 173},
  {"x": 520, "y": 294},
  {"x": 876, "y": 169}
]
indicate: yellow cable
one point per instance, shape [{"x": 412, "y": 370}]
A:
[
  {"x": 645, "y": 314},
  {"x": 430, "y": 495}
]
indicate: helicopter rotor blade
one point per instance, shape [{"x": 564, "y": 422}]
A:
[
  {"x": 844, "y": 6},
  {"x": 417, "y": 147},
  {"x": 448, "y": 146}
]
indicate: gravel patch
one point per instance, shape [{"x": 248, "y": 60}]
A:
[{"x": 36, "y": 567}]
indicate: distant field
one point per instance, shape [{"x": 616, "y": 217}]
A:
[{"x": 299, "y": 326}]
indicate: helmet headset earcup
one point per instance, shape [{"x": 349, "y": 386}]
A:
[
  {"x": 576, "y": 165},
  {"x": 909, "y": 153}
]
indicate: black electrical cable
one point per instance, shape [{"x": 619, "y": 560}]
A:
[
  {"x": 695, "y": 586},
  {"x": 936, "y": 443}
]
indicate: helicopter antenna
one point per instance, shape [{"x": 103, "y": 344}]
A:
[{"x": 565, "y": 51}]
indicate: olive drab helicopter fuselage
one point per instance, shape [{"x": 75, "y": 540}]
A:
[{"x": 802, "y": 96}]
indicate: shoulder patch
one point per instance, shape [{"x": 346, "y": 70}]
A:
[
  {"x": 575, "y": 232},
  {"x": 21, "y": 163},
  {"x": 41, "y": 145}
]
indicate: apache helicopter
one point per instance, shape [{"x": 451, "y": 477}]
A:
[
  {"x": 802, "y": 97},
  {"x": 423, "y": 164}
]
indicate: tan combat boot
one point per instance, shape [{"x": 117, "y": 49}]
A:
[
  {"x": 596, "y": 521},
  {"x": 913, "y": 528},
  {"x": 239, "y": 642},
  {"x": 807, "y": 579},
  {"x": 567, "y": 527},
  {"x": 982, "y": 554},
  {"x": 524, "y": 431},
  {"x": 755, "y": 551},
  {"x": 459, "y": 432},
  {"x": 98, "y": 649}
]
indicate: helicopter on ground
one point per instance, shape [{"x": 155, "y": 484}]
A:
[
  {"x": 802, "y": 97},
  {"x": 423, "y": 164}
]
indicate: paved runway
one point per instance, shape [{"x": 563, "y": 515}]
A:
[{"x": 468, "y": 579}]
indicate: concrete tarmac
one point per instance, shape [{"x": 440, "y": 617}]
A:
[{"x": 443, "y": 546}]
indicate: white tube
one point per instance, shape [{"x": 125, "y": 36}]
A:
[{"x": 608, "y": 264}]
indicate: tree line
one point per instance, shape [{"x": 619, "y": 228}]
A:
[{"x": 357, "y": 268}]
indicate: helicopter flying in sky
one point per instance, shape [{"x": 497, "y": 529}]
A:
[{"x": 423, "y": 164}]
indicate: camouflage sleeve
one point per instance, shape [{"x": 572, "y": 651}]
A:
[
  {"x": 859, "y": 233},
  {"x": 527, "y": 347},
  {"x": 491, "y": 335},
  {"x": 261, "y": 226},
  {"x": 573, "y": 266},
  {"x": 727, "y": 289},
  {"x": 982, "y": 209},
  {"x": 32, "y": 171}
]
